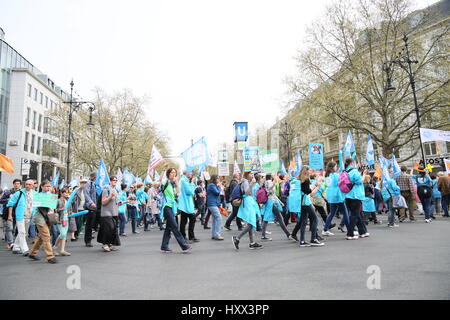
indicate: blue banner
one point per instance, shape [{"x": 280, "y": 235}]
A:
[
  {"x": 316, "y": 156},
  {"x": 241, "y": 131},
  {"x": 196, "y": 156},
  {"x": 55, "y": 180}
]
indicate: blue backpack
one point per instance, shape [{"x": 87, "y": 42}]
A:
[{"x": 236, "y": 193}]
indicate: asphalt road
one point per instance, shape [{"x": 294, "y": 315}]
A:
[{"x": 414, "y": 263}]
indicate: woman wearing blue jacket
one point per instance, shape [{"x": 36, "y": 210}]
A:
[
  {"x": 389, "y": 190},
  {"x": 353, "y": 200},
  {"x": 293, "y": 201},
  {"x": 213, "y": 200},
  {"x": 259, "y": 182},
  {"x": 186, "y": 205},
  {"x": 425, "y": 192},
  {"x": 335, "y": 198},
  {"x": 248, "y": 211},
  {"x": 122, "y": 210}
]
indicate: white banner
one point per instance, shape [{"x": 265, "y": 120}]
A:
[
  {"x": 434, "y": 135},
  {"x": 223, "y": 169}
]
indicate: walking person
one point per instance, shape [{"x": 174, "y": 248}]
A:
[
  {"x": 122, "y": 209},
  {"x": 141, "y": 197},
  {"x": 248, "y": 212},
  {"x": 293, "y": 201},
  {"x": 335, "y": 198},
  {"x": 389, "y": 190},
  {"x": 22, "y": 202},
  {"x": 425, "y": 192},
  {"x": 406, "y": 185},
  {"x": 200, "y": 201},
  {"x": 436, "y": 206},
  {"x": 90, "y": 198},
  {"x": 444, "y": 189},
  {"x": 108, "y": 235},
  {"x": 272, "y": 209},
  {"x": 169, "y": 210},
  {"x": 8, "y": 225},
  {"x": 368, "y": 204},
  {"x": 132, "y": 209},
  {"x": 353, "y": 200},
  {"x": 233, "y": 183},
  {"x": 307, "y": 210},
  {"x": 63, "y": 222},
  {"x": 42, "y": 222},
  {"x": 154, "y": 203},
  {"x": 213, "y": 198},
  {"x": 186, "y": 205}
]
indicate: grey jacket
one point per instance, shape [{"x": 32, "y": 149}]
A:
[{"x": 90, "y": 195}]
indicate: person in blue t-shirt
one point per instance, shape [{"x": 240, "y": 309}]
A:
[
  {"x": 425, "y": 192},
  {"x": 436, "y": 206}
]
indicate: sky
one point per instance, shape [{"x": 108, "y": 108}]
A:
[{"x": 204, "y": 64}]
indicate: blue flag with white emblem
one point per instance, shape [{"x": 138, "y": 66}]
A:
[
  {"x": 370, "y": 154},
  {"x": 102, "y": 179},
  {"x": 349, "y": 146}
]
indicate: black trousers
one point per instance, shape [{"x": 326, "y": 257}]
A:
[
  {"x": 91, "y": 220},
  {"x": 354, "y": 207},
  {"x": 232, "y": 216},
  {"x": 184, "y": 219},
  {"x": 322, "y": 212}
]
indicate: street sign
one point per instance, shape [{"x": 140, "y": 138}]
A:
[
  {"x": 222, "y": 155},
  {"x": 223, "y": 169},
  {"x": 25, "y": 167}
]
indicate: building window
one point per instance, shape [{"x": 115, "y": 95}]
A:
[
  {"x": 35, "y": 94},
  {"x": 29, "y": 90},
  {"x": 38, "y": 147},
  {"x": 34, "y": 119},
  {"x": 25, "y": 146},
  {"x": 46, "y": 102},
  {"x": 27, "y": 119},
  {"x": 33, "y": 138},
  {"x": 447, "y": 144},
  {"x": 41, "y": 99},
  {"x": 46, "y": 125},
  {"x": 430, "y": 148},
  {"x": 40, "y": 123}
]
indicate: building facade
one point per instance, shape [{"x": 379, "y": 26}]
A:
[{"x": 27, "y": 131}]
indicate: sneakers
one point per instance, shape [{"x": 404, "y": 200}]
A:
[
  {"x": 25, "y": 254},
  {"x": 123, "y": 234},
  {"x": 305, "y": 244},
  {"x": 255, "y": 246},
  {"x": 217, "y": 238},
  {"x": 52, "y": 261},
  {"x": 188, "y": 249},
  {"x": 235, "y": 242},
  {"x": 365, "y": 235},
  {"x": 166, "y": 251},
  {"x": 427, "y": 220},
  {"x": 353, "y": 238},
  {"x": 327, "y": 233},
  {"x": 266, "y": 239},
  {"x": 317, "y": 243},
  {"x": 291, "y": 237},
  {"x": 332, "y": 225},
  {"x": 89, "y": 245},
  {"x": 34, "y": 258},
  {"x": 136, "y": 232},
  {"x": 194, "y": 240},
  {"x": 65, "y": 253},
  {"x": 206, "y": 228},
  {"x": 268, "y": 232},
  {"x": 393, "y": 225},
  {"x": 341, "y": 229},
  {"x": 227, "y": 227}
]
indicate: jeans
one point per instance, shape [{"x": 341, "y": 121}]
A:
[
  {"x": 8, "y": 227},
  {"x": 336, "y": 207},
  {"x": 122, "y": 223},
  {"x": 354, "y": 205},
  {"x": 184, "y": 219},
  {"x": 445, "y": 201},
  {"x": 172, "y": 227},
  {"x": 132, "y": 213},
  {"x": 248, "y": 228},
  {"x": 426, "y": 204},
  {"x": 306, "y": 212},
  {"x": 157, "y": 219},
  {"x": 55, "y": 233},
  {"x": 216, "y": 221},
  {"x": 436, "y": 206},
  {"x": 232, "y": 216},
  {"x": 279, "y": 218},
  {"x": 32, "y": 230},
  {"x": 208, "y": 214}
]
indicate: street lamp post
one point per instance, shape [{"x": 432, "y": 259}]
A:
[
  {"x": 74, "y": 106},
  {"x": 404, "y": 61}
]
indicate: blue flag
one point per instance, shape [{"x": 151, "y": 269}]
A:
[
  {"x": 5, "y": 187},
  {"x": 102, "y": 179},
  {"x": 384, "y": 163},
  {"x": 395, "y": 167},
  {"x": 283, "y": 169},
  {"x": 62, "y": 184},
  {"x": 127, "y": 177},
  {"x": 196, "y": 156},
  {"x": 55, "y": 180},
  {"x": 298, "y": 163},
  {"x": 349, "y": 146},
  {"x": 148, "y": 180},
  {"x": 370, "y": 154}
]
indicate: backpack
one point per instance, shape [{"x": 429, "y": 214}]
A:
[
  {"x": 424, "y": 192},
  {"x": 261, "y": 195},
  {"x": 344, "y": 183},
  {"x": 286, "y": 189},
  {"x": 236, "y": 194}
]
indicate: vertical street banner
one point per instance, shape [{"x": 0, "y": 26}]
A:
[
  {"x": 316, "y": 156},
  {"x": 196, "y": 156},
  {"x": 240, "y": 131},
  {"x": 251, "y": 159},
  {"x": 270, "y": 161}
]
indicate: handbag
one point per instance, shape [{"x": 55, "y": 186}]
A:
[
  {"x": 223, "y": 212},
  {"x": 236, "y": 202},
  {"x": 399, "y": 202}
]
